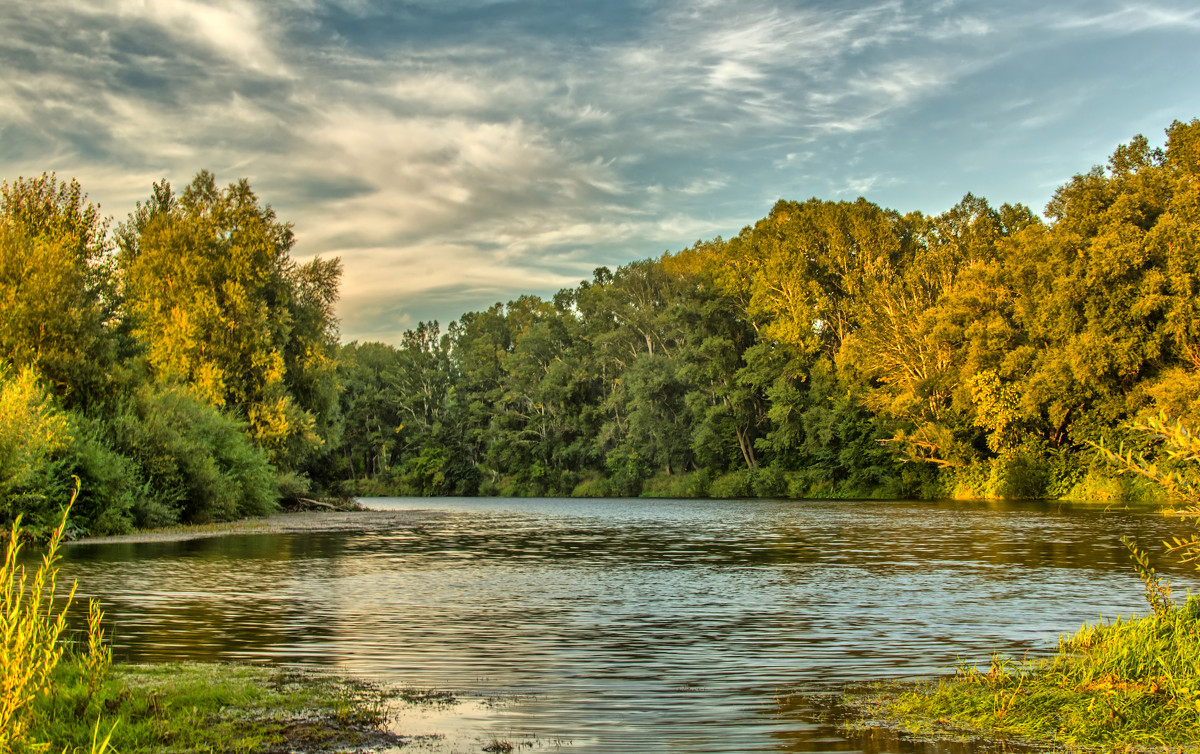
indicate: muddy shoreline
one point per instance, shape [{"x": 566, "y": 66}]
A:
[{"x": 280, "y": 523}]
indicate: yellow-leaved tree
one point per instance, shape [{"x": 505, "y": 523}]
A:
[{"x": 216, "y": 301}]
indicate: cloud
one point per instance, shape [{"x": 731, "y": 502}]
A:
[
  {"x": 961, "y": 27},
  {"x": 699, "y": 186},
  {"x": 231, "y": 30},
  {"x": 482, "y": 150},
  {"x": 1133, "y": 19},
  {"x": 453, "y": 165}
]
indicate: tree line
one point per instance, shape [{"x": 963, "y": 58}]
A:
[
  {"x": 186, "y": 369},
  {"x": 831, "y": 349}
]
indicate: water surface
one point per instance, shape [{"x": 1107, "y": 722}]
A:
[{"x": 634, "y": 625}]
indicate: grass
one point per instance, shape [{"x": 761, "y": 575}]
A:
[
  {"x": 1131, "y": 683},
  {"x": 1127, "y": 683},
  {"x": 205, "y": 707}
]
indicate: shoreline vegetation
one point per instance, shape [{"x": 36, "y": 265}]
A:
[
  {"x": 829, "y": 350},
  {"x": 1128, "y": 684},
  {"x": 222, "y": 707}
]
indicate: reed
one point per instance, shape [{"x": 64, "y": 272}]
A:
[
  {"x": 31, "y": 628},
  {"x": 33, "y": 618}
]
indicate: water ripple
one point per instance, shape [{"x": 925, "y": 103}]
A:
[{"x": 635, "y": 625}]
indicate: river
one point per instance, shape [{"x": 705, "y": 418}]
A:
[{"x": 634, "y": 625}]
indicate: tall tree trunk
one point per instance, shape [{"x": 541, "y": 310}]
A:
[{"x": 743, "y": 437}]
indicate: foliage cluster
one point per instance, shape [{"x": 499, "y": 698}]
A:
[
  {"x": 182, "y": 365},
  {"x": 832, "y": 349}
]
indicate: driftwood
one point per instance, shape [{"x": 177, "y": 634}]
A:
[{"x": 309, "y": 504}]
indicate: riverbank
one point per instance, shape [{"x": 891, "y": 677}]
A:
[
  {"x": 1130, "y": 684},
  {"x": 280, "y": 523},
  {"x": 228, "y": 708}
]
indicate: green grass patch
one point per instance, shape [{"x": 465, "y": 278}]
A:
[
  {"x": 212, "y": 708},
  {"x": 1126, "y": 683}
]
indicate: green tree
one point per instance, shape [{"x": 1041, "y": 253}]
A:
[
  {"x": 56, "y": 298},
  {"x": 215, "y": 300}
]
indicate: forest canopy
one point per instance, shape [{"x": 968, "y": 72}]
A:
[{"x": 187, "y": 369}]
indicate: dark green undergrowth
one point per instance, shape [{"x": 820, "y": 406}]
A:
[
  {"x": 212, "y": 708},
  {"x": 1129, "y": 682}
]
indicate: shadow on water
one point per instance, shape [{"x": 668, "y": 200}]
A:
[{"x": 635, "y": 625}]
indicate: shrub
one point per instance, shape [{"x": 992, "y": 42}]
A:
[
  {"x": 1019, "y": 475},
  {"x": 733, "y": 484},
  {"x": 112, "y": 483},
  {"x": 592, "y": 485},
  {"x": 33, "y": 432},
  {"x": 198, "y": 464}
]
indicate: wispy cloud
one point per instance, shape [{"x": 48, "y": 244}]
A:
[
  {"x": 482, "y": 150},
  {"x": 232, "y": 30},
  {"x": 1132, "y": 19}
]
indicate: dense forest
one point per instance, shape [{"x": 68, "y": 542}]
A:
[{"x": 186, "y": 369}]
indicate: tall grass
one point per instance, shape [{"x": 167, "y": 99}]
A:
[
  {"x": 1131, "y": 682},
  {"x": 33, "y": 617}
]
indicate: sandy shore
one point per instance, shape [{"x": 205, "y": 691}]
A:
[{"x": 282, "y": 523}]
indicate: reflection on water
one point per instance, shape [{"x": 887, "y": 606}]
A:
[{"x": 635, "y": 625}]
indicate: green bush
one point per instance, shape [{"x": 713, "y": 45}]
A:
[
  {"x": 112, "y": 484},
  {"x": 768, "y": 482},
  {"x": 1100, "y": 486},
  {"x": 592, "y": 485},
  {"x": 731, "y": 485},
  {"x": 626, "y": 471},
  {"x": 692, "y": 484},
  {"x": 1019, "y": 475},
  {"x": 198, "y": 464}
]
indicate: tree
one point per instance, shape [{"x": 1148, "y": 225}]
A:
[
  {"x": 32, "y": 434},
  {"x": 56, "y": 302},
  {"x": 217, "y": 302}
]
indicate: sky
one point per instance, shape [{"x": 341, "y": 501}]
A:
[{"x": 458, "y": 153}]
